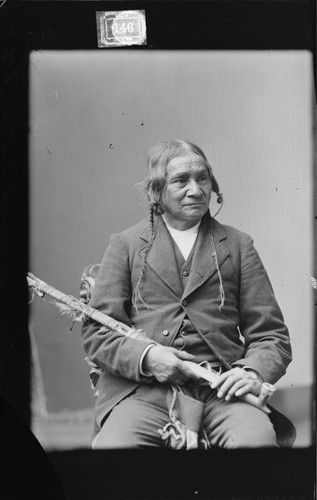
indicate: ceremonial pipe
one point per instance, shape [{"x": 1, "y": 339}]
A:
[
  {"x": 80, "y": 311},
  {"x": 257, "y": 401}
]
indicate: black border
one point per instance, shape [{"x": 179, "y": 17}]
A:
[{"x": 197, "y": 25}]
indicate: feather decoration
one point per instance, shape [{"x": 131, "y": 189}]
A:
[{"x": 66, "y": 310}]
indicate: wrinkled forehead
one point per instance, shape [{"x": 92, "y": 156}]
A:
[{"x": 189, "y": 162}]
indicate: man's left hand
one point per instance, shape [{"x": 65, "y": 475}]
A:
[{"x": 237, "y": 382}]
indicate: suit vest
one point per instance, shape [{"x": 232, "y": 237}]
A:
[{"x": 187, "y": 338}]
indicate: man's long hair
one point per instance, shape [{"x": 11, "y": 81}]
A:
[{"x": 155, "y": 182}]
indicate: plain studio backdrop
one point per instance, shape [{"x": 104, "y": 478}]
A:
[{"x": 94, "y": 116}]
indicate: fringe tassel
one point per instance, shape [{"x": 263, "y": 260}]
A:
[
  {"x": 221, "y": 288},
  {"x": 137, "y": 295},
  {"x": 176, "y": 434},
  {"x": 66, "y": 310}
]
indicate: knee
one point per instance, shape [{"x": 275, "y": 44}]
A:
[
  {"x": 101, "y": 441},
  {"x": 257, "y": 436},
  {"x": 111, "y": 438},
  {"x": 239, "y": 425}
]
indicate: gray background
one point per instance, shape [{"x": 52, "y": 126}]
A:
[{"x": 94, "y": 116}]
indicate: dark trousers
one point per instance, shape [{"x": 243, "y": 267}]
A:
[{"x": 135, "y": 421}]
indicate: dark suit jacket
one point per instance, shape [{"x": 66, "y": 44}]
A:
[{"x": 250, "y": 309}]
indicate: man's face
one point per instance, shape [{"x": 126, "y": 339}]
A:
[{"x": 187, "y": 192}]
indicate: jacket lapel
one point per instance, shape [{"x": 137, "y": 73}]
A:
[
  {"x": 161, "y": 258},
  {"x": 204, "y": 262}
]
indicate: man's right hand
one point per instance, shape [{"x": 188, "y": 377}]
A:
[{"x": 166, "y": 365}]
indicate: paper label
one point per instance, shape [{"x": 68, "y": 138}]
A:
[{"x": 121, "y": 28}]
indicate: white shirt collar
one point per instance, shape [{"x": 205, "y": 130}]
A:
[
  {"x": 185, "y": 240},
  {"x": 192, "y": 230}
]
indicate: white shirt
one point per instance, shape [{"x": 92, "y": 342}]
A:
[{"x": 185, "y": 240}]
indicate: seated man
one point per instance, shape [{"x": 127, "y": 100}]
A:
[{"x": 199, "y": 291}]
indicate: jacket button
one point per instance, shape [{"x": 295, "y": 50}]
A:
[
  {"x": 184, "y": 302},
  {"x": 185, "y": 273},
  {"x": 165, "y": 333}
]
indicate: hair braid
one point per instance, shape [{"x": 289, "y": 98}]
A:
[
  {"x": 214, "y": 254},
  {"x": 136, "y": 294}
]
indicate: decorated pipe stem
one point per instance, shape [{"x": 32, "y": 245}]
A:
[
  {"x": 211, "y": 376},
  {"x": 81, "y": 311}
]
